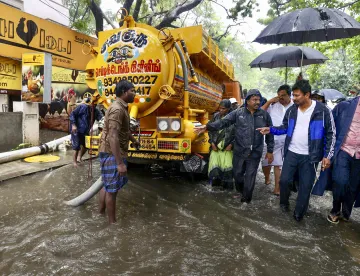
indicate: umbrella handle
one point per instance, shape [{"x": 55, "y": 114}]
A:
[{"x": 302, "y": 58}]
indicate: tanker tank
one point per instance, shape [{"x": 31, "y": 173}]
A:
[{"x": 180, "y": 76}]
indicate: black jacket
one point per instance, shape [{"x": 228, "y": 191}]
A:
[
  {"x": 321, "y": 131},
  {"x": 228, "y": 133},
  {"x": 247, "y": 139}
]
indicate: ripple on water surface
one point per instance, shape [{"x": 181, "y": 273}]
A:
[{"x": 166, "y": 226}]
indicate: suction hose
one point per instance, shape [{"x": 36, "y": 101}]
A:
[
  {"x": 88, "y": 194},
  {"x": 96, "y": 187}
]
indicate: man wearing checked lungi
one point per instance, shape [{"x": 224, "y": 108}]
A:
[{"x": 114, "y": 146}]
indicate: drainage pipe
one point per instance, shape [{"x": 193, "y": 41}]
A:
[{"x": 44, "y": 148}]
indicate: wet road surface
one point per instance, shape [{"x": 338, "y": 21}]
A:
[{"x": 166, "y": 226}]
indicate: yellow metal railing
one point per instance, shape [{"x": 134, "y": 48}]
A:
[{"x": 211, "y": 49}]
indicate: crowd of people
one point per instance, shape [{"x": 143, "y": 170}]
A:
[
  {"x": 292, "y": 132},
  {"x": 300, "y": 132}
]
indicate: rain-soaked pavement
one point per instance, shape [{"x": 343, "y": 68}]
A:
[{"x": 166, "y": 226}]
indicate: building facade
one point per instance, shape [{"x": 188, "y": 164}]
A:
[{"x": 35, "y": 26}]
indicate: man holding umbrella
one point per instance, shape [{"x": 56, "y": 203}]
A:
[{"x": 308, "y": 126}]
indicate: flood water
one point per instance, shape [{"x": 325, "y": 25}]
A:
[{"x": 166, "y": 226}]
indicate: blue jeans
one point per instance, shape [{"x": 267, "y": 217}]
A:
[
  {"x": 346, "y": 183},
  {"x": 307, "y": 174}
]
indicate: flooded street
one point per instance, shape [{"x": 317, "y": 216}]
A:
[{"x": 166, "y": 226}]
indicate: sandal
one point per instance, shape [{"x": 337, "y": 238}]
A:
[{"x": 333, "y": 219}]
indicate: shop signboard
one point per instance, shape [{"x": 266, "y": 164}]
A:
[
  {"x": 10, "y": 76},
  {"x": 23, "y": 33}
]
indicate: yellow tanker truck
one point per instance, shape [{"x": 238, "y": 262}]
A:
[{"x": 180, "y": 76}]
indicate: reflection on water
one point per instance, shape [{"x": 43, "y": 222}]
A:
[{"x": 166, "y": 226}]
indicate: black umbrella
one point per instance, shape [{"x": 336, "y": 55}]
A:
[
  {"x": 330, "y": 94},
  {"x": 288, "y": 56},
  {"x": 309, "y": 25}
]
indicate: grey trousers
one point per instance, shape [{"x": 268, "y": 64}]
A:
[{"x": 245, "y": 170}]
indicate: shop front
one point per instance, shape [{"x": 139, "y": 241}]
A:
[{"x": 22, "y": 33}]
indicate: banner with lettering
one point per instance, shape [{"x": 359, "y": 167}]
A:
[
  {"x": 36, "y": 77},
  {"x": 68, "y": 89},
  {"x": 10, "y": 76},
  {"x": 23, "y": 33}
]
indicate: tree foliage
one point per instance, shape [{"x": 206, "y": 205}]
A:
[
  {"x": 81, "y": 17},
  {"x": 181, "y": 13},
  {"x": 86, "y": 15}
]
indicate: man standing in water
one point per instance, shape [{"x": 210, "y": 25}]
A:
[
  {"x": 80, "y": 122},
  {"x": 113, "y": 147},
  {"x": 346, "y": 169},
  {"x": 277, "y": 107},
  {"x": 309, "y": 126},
  {"x": 249, "y": 143}
]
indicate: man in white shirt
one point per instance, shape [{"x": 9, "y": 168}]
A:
[
  {"x": 277, "y": 108},
  {"x": 310, "y": 139}
]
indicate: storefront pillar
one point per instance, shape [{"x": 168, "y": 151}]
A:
[
  {"x": 4, "y": 103},
  {"x": 30, "y": 124}
]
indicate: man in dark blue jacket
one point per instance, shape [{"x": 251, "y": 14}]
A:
[
  {"x": 249, "y": 143},
  {"x": 80, "y": 121},
  {"x": 308, "y": 126},
  {"x": 346, "y": 169}
]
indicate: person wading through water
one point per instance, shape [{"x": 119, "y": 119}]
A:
[
  {"x": 113, "y": 147},
  {"x": 309, "y": 128},
  {"x": 277, "y": 107},
  {"x": 221, "y": 146},
  {"x": 249, "y": 143},
  {"x": 80, "y": 122},
  {"x": 346, "y": 168}
]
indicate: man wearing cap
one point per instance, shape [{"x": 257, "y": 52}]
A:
[
  {"x": 71, "y": 99},
  {"x": 249, "y": 143},
  {"x": 234, "y": 103}
]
